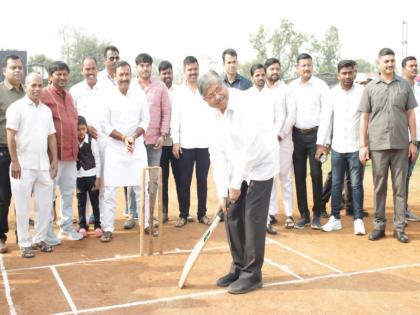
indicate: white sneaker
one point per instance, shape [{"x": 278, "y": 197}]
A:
[
  {"x": 333, "y": 224},
  {"x": 70, "y": 235},
  {"x": 359, "y": 227}
]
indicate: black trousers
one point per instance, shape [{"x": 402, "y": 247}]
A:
[
  {"x": 184, "y": 170},
  {"x": 347, "y": 194},
  {"x": 84, "y": 187},
  {"x": 5, "y": 192},
  {"x": 245, "y": 224},
  {"x": 167, "y": 158},
  {"x": 304, "y": 149}
]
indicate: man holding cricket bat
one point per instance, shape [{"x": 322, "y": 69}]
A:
[{"x": 241, "y": 152}]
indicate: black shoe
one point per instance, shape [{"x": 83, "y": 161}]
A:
[
  {"x": 271, "y": 230},
  {"x": 376, "y": 235},
  {"x": 227, "y": 279},
  {"x": 302, "y": 222},
  {"x": 316, "y": 223},
  {"x": 273, "y": 219},
  {"x": 242, "y": 286},
  {"x": 324, "y": 214},
  {"x": 401, "y": 236}
]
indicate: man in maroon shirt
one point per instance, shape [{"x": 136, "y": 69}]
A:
[{"x": 65, "y": 121}]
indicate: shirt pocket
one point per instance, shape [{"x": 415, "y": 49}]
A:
[{"x": 399, "y": 99}]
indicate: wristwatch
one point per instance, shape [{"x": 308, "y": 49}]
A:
[{"x": 415, "y": 142}]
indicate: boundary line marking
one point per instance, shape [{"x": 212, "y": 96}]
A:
[
  {"x": 64, "y": 290},
  {"x": 116, "y": 257},
  {"x": 306, "y": 256},
  {"x": 218, "y": 292},
  {"x": 7, "y": 290},
  {"x": 283, "y": 268}
]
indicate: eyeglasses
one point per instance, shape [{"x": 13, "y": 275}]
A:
[
  {"x": 215, "y": 93},
  {"x": 114, "y": 58}
]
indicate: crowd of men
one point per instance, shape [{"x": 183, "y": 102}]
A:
[{"x": 256, "y": 134}]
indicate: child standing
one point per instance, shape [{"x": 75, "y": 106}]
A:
[{"x": 88, "y": 178}]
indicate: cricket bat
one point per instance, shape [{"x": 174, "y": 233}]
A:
[{"x": 197, "y": 250}]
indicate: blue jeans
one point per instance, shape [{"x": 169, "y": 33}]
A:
[
  {"x": 339, "y": 163},
  {"x": 411, "y": 165}
]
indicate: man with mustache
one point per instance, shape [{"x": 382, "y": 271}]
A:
[
  {"x": 125, "y": 120},
  {"x": 310, "y": 133},
  {"x": 11, "y": 90},
  {"x": 409, "y": 70},
  {"x": 89, "y": 98},
  {"x": 65, "y": 121},
  {"x": 160, "y": 117},
  {"x": 387, "y": 108},
  {"x": 190, "y": 136},
  {"x": 30, "y": 136}
]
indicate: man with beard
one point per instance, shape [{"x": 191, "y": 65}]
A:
[
  {"x": 284, "y": 137},
  {"x": 189, "y": 133},
  {"x": 387, "y": 108},
  {"x": 345, "y": 119},
  {"x": 271, "y": 109}
]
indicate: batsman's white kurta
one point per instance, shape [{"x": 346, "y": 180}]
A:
[
  {"x": 285, "y": 174},
  {"x": 123, "y": 113}
]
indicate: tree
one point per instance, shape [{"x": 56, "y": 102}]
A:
[
  {"x": 364, "y": 66},
  {"x": 78, "y": 45},
  {"x": 285, "y": 44}
]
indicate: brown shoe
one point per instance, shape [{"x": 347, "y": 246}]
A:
[
  {"x": 155, "y": 231},
  {"x": 180, "y": 222},
  {"x": 3, "y": 247}
]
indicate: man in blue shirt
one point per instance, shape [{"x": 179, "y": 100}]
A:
[{"x": 232, "y": 78}]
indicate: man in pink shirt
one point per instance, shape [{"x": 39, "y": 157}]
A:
[
  {"x": 65, "y": 122},
  {"x": 160, "y": 117}
]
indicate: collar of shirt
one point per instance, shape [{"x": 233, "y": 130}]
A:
[
  {"x": 59, "y": 92},
  {"x": 11, "y": 87},
  {"x": 85, "y": 140},
  {"x": 395, "y": 77},
  {"x": 310, "y": 81}
]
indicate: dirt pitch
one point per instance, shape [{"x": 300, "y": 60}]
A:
[{"x": 306, "y": 272}]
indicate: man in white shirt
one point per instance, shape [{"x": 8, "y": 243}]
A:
[
  {"x": 284, "y": 137},
  {"x": 125, "y": 120},
  {"x": 243, "y": 162},
  {"x": 345, "y": 120},
  {"x": 190, "y": 136},
  {"x": 106, "y": 77},
  {"x": 89, "y": 99},
  {"x": 409, "y": 71},
  {"x": 30, "y": 136},
  {"x": 310, "y": 134},
  {"x": 266, "y": 101}
]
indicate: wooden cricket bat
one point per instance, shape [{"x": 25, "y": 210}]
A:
[{"x": 197, "y": 250}]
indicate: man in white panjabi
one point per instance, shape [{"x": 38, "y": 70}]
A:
[{"x": 125, "y": 121}]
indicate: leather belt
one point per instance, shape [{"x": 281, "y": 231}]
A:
[{"x": 304, "y": 131}]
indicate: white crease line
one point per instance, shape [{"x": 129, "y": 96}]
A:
[
  {"x": 217, "y": 292},
  {"x": 6, "y": 284},
  {"x": 306, "y": 256},
  {"x": 116, "y": 257},
  {"x": 283, "y": 268},
  {"x": 64, "y": 289}
]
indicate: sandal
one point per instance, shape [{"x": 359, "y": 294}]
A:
[
  {"x": 43, "y": 247},
  {"x": 289, "y": 223},
  {"x": 204, "y": 220},
  {"x": 180, "y": 222},
  {"x": 27, "y": 252},
  {"x": 155, "y": 232}
]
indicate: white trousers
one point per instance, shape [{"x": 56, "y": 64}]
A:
[
  {"x": 110, "y": 204},
  {"x": 41, "y": 185},
  {"x": 284, "y": 179},
  {"x": 66, "y": 181}
]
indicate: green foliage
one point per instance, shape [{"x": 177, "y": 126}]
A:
[
  {"x": 76, "y": 46},
  {"x": 286, "y": 43},
  {"x": 40, "y": 60},
  {"x": 365, "y": 66}
]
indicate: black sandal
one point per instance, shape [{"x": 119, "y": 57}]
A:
[
  {"x": 204, "y": 220},
  {"x": 27, "y": 252},
  {"x": 180, "y": 222},
  {"x": 43, "y": 247}
]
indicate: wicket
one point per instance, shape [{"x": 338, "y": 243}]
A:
[{"x": 152, "y": 173}]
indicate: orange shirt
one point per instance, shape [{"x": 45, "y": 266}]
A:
[{"x": 65, "y": 121}]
